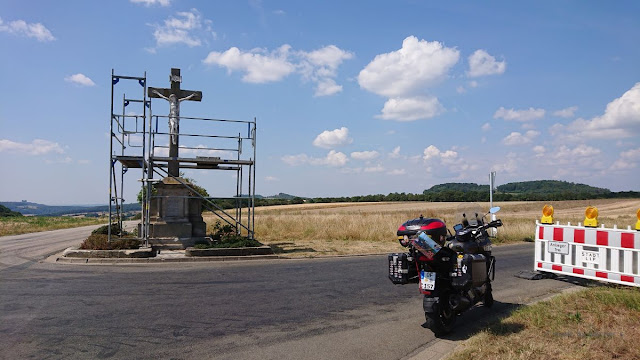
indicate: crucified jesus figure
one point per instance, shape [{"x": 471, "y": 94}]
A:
[{"x": 174, "y": 113}]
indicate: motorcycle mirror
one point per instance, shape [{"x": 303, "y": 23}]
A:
[{"x": 494, "y": 209}]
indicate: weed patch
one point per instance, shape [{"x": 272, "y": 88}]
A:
[
  {"x": 596, "y": 323},
  {"x": 101, "y": 242}
]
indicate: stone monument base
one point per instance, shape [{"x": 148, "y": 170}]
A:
[{"x": 175, "y": 219}]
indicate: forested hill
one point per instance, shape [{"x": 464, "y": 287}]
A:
[
  {"x": 549, "y": 187},
  {"x": 527, "y": 190},
  {"x": 6, "y": 212}
]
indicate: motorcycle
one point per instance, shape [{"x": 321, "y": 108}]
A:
[{"x": 454, "y": 271}]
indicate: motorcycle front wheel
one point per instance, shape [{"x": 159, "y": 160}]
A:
[{"x": 441, "y": 321}]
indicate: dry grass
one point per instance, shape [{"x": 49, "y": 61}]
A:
[
  {"x": 597, "y": 323},
  {"x": 29, "y": 224},
  {"x": 363, "y": 228}
]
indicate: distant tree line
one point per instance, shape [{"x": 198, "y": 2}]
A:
[{"x": 540, "y": 190}]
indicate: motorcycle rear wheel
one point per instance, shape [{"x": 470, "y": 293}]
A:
[{"x": 442, "y": 320}]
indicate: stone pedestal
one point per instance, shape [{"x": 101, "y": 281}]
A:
[{"x": 175, "y": 219}]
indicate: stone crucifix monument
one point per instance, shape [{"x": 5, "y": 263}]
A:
[{"x": 175, "y": 212}]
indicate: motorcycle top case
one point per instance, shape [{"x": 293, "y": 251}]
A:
[
  {"x": 470, "y": 271},
  {"x": 402, "y": 268},
  {"x": 410, "y": 228}
]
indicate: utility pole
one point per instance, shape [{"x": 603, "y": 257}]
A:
[{"x": 492, "y": 181}]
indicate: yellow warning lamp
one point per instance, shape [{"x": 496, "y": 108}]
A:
[
  {"x": 591, "y": 216},
  {"x": 638, "y": 223},
  {"x": 547, "y": 214}
]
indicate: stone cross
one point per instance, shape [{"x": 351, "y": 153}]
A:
[{"x": 174, "y": 95}]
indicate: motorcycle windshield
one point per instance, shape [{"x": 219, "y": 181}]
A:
[{"x": 470, "y": 214}]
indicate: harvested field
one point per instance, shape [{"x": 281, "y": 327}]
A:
[{"x": 365, "y": 228}]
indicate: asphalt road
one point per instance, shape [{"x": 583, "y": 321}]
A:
[{"x": 273, "y": 309}]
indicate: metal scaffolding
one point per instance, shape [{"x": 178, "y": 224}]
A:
[{"x": 140, "y": 140}]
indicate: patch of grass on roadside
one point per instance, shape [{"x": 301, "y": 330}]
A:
[
  {"x": 596, "y": 323},
  {"x": 29, "y": 224}
]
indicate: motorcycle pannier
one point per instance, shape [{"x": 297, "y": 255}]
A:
[
  {"x": 472, "y": 272},
  {"x": 402, "y": 268}
]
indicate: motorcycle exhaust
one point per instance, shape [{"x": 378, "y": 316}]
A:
[{"x": 459, "y": 303}]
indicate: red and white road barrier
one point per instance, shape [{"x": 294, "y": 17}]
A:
[{"x": 611, "y": 255}]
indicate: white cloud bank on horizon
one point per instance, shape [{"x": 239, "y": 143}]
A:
[
  {"x": 80, "y": 79},
  {"x": 262, "y": 66},
  {"x": 334, "y": 138},
  {"x": 33, "y": 30},
  {"x": 36, "y": 147},
  {"x": 403, "y": 76}
]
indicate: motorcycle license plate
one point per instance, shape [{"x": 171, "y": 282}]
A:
[{"x": 427, "y": 280}]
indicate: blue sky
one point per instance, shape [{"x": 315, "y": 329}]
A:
[{"x": 350, "y": 97}]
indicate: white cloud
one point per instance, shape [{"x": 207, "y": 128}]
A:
[
  {"x": 320, "y": 66},
  {"x": 271, "y": 178},
  {"x": 509, "y": 166},
  {"x": 486, "y": 127},
  {"x": 519, "y": 115},
  {"x": 295, "y": 160},
  {"x": 418, "y": 64},
  {"x": 64, "y": 160},
  {"x": 21, "y": 27},
  {"x": 374, "y": 169},
  {"x": 261, "y": 66},
  {"x": 628, "y": 160},
  {"x": 632, "y": 154},
  {"x": 433, "y": 153},
  {"x": 152, "y": 2},
  {"x": 187, "y": 28},
  {"x": 473, "y": 84},
  {"x": 574, "y": 159},
  {"x": 516, "y": 138},
  {"x": 566, "y": 112},
  {"x": 80, "y": 79},
  {"x": 258, "y": 65},
  {"x": 364, "y": 155},
  {"x": 411, "y": 109},
  {"x": 327, "y": 87},
  {"x": 397, "y": 172},
  {"x": 36, "y": 147},
  {"x": 395, "y": 153},
  {"x": 482, "y": 64},
  {"x": 333, "y": 158},
  {"x": 581, "y": 150},
  {"x": 621, "y": 119},
  {"x": 539, "y": 150},
  {"x": 461, "y": 90},
  {"x": 334, "y": 138}
]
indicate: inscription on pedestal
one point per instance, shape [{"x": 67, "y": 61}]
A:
[{"x": 174, "y": 208}]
